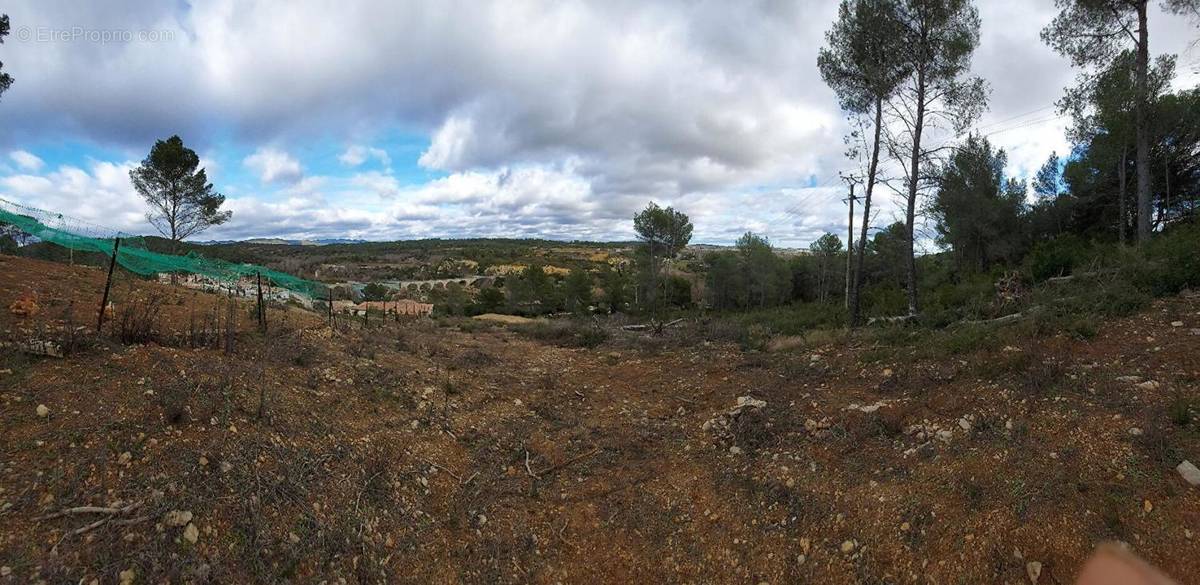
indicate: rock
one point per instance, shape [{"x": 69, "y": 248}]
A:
[
  {"x": 964, "y": 424},
  {"x": 1034, "y": 570},
  {"x": 226, "y": 466},
  {"x": 1147, "y": 506},
  {"x": 1148, "y": 385},
  {"x": 191, "y": 533},
  {"x": 945, "y": 435},
  {"x": 905, "y": 527},
  {"x": 177, "y": 518},
  {"x": 43, "y": 411},
  {"x": 127, "y": 576},
  {"x": 735, "y": 450},
  {"x": 1135, "y": 431},
  {"x": 805, "y": 544},
  {"x": 124, "y": 458},
  {"x": 203, "y": 461},
  {"x": 5, "y": 571},
  {"x": 848, "y": 547},
  {"x": 1129, "y": 379},
  {"x": 1176, "y": 323},
  {"x": 1189, "y": 472},
  {"x": 744, "y": 401},
  {"x": 293, "y": 538}
]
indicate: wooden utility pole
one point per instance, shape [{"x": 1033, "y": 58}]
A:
[
  {"x": 329, "y": 304},
  {"x": 112, "y": 264},
  {"x": 849, "y": 247},
  {"x": 850, "y": 238}
]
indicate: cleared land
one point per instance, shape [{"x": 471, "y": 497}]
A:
[{"x": 469, "y": 452}]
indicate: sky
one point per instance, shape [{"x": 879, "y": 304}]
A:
[{"x": 387, "y": 119}]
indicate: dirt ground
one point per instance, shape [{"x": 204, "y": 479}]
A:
[{"x": 417, "y": 453}]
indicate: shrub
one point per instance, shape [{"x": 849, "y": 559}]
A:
[{"x": 1058, "y": 257}]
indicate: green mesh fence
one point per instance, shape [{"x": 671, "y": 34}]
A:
[{"x": 133, "y": 254}]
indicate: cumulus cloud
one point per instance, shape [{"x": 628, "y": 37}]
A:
[
  {"x": 100, "y": 195},
  {"x": 27, "y": 161},
  {"x": 356, "y": 155},
  {"x": 710, "y": 103},
  {"x": 274, "y": 166}
]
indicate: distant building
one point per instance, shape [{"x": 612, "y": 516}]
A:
[{"x": 396, "y": 307}]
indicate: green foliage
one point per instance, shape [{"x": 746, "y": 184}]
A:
[
  {"x": 375, "y": 292},
  {"x": 578, "y": 291},
  {"x": 1058, "y": 257},
  {"x": 979, "y": 213},
  {"x": 864, "y": 60},
  {"x": 1169, "y": 263},
  {"x": 616, "y": 288},
  {"x": 182, "y": 201},
  {"x": 6, "y": 80},
  {"x": 490, "y": 299},
  {"x": 751, "y": 276},
  {"x": 564, "y": 333},
  {"x": 663, "y": 233}
]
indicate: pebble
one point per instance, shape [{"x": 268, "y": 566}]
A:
[
  {"x": 5, "y": 571},
  {"x": 1176, "y": 323},
  {"x": 1189, "y": 472},
  {"x": 1034, "y": 570},
  {"x": 735, "y": 450},
  {"x": 848, "y": 546},
  {"x": 1135, "y": 431},
  {"x": 1147, "y": 506},
  {"x": 191, "y": 533},
  {"x": 177, "y": 518},
  {"x": 43, "y": 411},
  {"x": 127, "y": 576},
  {"x": 226, "y": 466},
  {"x": 293, "y": 538},
  {"x": 124, "y": 458}
]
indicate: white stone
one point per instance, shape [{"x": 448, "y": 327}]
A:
[
  {"x": 1034, "y": 570},
  {"x": 43, "y": 411},
  {"x": 177, "y": 518},
  {"x": 1189, "y": 472},
  {"x": 191, "y": 533}
]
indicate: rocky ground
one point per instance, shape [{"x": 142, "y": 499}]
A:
[{"x": 413, "y": 452}]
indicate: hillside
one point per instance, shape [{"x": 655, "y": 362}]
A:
[{"x": 463, "y": 451}]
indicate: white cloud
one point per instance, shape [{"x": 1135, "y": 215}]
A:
[
  {"x": 26, "y": 160},
  {"x": 356, "y": 155},
  {"x": 101, "y": 196},
  {"x": 274, "y": 166},
  {"x": 564, "y": 117}
]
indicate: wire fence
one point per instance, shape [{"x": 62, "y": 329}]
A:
[{"x": 135, "y": 256}]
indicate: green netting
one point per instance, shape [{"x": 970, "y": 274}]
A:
[{"x": 133, "y": 254}]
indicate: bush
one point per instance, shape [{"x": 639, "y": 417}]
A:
[
  {"x": 1169, "y": 263},
  {"x": 564, "y": 333},
  {"x": 1058, "y": 257}
]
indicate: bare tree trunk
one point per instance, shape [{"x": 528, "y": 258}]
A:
[
  {"x": 1143, "y": 139},
  {"x": 872, "y": 169},
  {"x": 913, "y": 181},
  {"x": 1122, "y": 207}
]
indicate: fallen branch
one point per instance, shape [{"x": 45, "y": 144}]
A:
[
  {"x": 430, "y": 463},
  {"x": 896, "y": 319},
  {"x": 554, "y": 468},
  {"x": 89, "y": 510}
]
